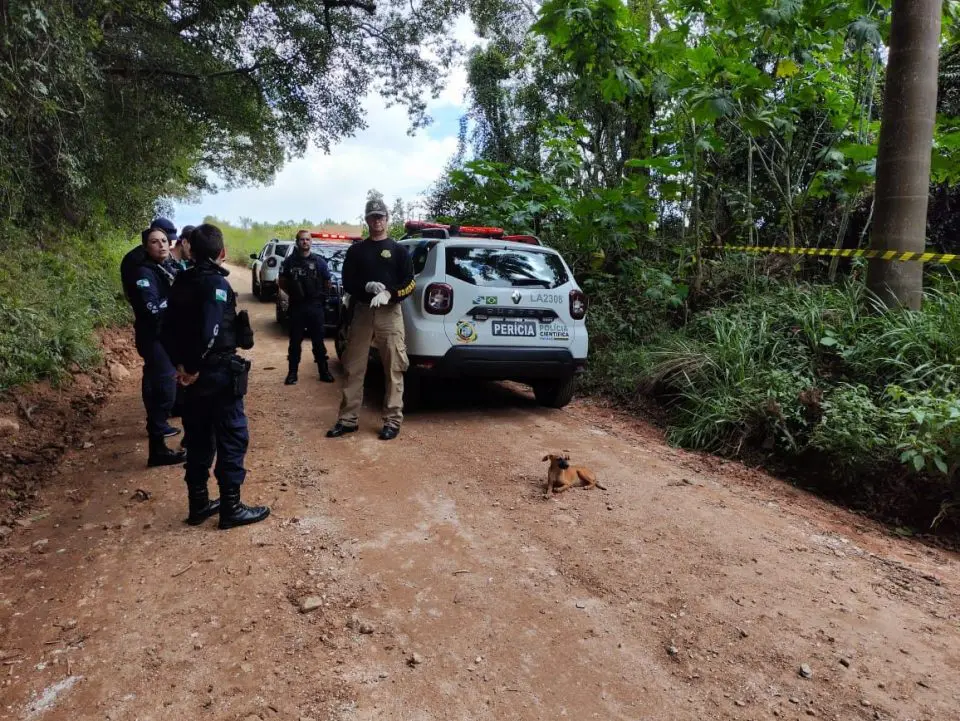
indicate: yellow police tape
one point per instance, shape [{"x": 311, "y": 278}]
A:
[{"x": 894, "y": 255}]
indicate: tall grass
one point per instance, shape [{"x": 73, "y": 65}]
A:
[
  {"x": 53, "y": 299},
  {"x": 795, "y": 369}
]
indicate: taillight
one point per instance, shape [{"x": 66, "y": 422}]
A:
[
  {"x": 578, "y": 304},
  {"x": 271, "y": 262},
  {"x": 438, "y": 299}
]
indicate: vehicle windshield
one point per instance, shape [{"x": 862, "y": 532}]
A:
[
  {"x": 506, "y": 267},
  {"x": 333, "y": 256}
]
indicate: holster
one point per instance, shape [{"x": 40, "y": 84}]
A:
[{"x": 240, "y": 373}]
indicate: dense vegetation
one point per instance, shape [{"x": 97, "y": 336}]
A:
[{"x": 641, "y": 138}]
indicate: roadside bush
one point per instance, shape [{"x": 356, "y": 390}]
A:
[
  {"x": 801, "y": 371},
  {"x": 52, "y": 300}
]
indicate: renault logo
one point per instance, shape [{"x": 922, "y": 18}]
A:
[{"x": 516, "y": 297}]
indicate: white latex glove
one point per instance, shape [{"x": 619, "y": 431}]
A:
[
  {"x": 346, "y": 299},
  {"x": 373, "y": 287},
  {"x": 381, "y": 298}
]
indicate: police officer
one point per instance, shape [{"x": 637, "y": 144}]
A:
[
  {"x": 305, "y": 278},
  {"x": 137, "y": 255},
  {"x": 378, "y": 275},
  {"x": 150, "y": 276},
  {"x": 204, "y": 333},
  {"x": 177, "y": 252}
]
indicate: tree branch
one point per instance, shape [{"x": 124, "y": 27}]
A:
[
  {"x": 147, "y": 72},
  {"x": 369, "y": 7}
]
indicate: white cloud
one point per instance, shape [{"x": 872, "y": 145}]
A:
[{"x": 382, "y": 156}]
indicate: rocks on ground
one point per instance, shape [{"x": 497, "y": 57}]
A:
[{"x": 9, "y": 427}]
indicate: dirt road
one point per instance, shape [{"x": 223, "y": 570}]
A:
[{"x": 445, "y": 587}]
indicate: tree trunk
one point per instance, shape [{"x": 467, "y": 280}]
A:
[{"x": 903, "y": 157}]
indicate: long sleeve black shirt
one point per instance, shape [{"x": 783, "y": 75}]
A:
[{"x": 384, "y": 261}]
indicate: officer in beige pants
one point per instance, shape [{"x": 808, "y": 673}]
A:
[{"x": 378, "y": 275}]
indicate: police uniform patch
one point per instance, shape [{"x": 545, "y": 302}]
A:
[
  {"x": 221, "y": 295},
  {"x": 385, "y": 253},
  {"x": 143, "y": 283}
]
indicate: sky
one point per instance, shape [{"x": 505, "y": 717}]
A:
[{"x": 335, "y": 185}]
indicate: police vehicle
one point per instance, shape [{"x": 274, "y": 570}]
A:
[
  {"x": 266, "y": 267},
  {"x": 333, "y": 248},
  {"x": 490, "y": 306}
]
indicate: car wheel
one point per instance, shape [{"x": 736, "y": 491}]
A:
[
  {"x": 555, "y": 393},
  {"x": 257, "y": 292},
  {"x": 340, "y": 340}
]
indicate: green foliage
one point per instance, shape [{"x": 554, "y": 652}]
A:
[
  {"x": 929, "y": 422},
  {"x": 807, "y": 368},
  {"x": 108, "y": 107},
  {"x": 53, "y": 298}
]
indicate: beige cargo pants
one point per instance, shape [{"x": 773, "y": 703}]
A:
[{"x": 383, "y": 329}]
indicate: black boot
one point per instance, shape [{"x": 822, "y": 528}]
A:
[
  {"x": 201, "y": 507},
  {"x": 325, "y": 375},
  {"x": 233, "y": 513},
  {"x": 291, "y": 379},
  {"x": 160, "y": 455}
]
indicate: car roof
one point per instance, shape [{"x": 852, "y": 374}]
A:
[
  {"x": 315, "y": 243},
  {"x": 465, "y": 242}
]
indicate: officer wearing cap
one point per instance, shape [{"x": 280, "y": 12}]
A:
[
  {"x": 378, "y": 276},
  {"x": 305, "y": 278},
  {"x": 149, "y": 277},
  {"x": 202, "y": 339}
]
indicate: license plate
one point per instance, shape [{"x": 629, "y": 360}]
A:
[{"x": 514, "y": 329}]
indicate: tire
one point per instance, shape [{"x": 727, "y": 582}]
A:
[
  {"x": 343, "y": 327},
  {"x": 555, "y": 393},
  {"x": 257, "y": 290}
]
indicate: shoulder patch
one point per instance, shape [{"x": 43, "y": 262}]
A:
[
  {"x": 221, "y": 295},
  {"x": 143, "y": 283}
]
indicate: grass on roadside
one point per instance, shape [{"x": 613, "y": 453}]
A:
[
  {"x": 808, "y": 373},
  {"x": 53, "y": 300}
]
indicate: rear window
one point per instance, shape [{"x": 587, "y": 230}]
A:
[
  {"x": 506, "y": 267},
  {"x": 333, "y": 255},
  {"x": 282, "y": 249}
]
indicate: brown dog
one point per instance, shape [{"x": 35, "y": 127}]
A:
[{"x": 562, "y": 475}]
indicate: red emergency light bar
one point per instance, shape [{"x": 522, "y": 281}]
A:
[
  {"x": 334, "y": 236},
  {"x": 412, "y": 226}
]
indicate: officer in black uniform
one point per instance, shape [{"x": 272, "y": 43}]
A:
[
  {"x": 205, "y": 330},
  {"x": 305, "y": 278},
  {"x": 149, "y": 277}
]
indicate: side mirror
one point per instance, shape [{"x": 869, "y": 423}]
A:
[{"x": 253, "y": 256}]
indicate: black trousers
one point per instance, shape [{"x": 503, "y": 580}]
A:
[
  {"x": 158, "y": 387},
  {"x": 306, "y": 317},
  {"x": 214, "y": 426}
]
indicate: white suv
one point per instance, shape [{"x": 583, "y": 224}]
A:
[
  {"x": 266, "y": 267},
  {"x": 494, "y": 308}
]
